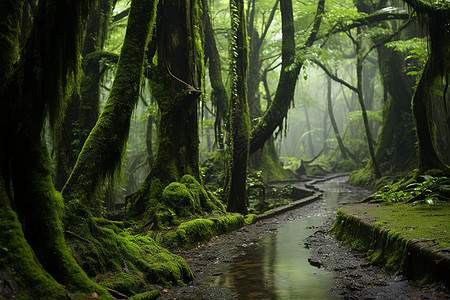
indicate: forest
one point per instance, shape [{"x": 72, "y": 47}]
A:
[{"x": 132, "y": 128}]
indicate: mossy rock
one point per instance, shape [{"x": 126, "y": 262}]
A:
[{"x": 177, "y": 197}]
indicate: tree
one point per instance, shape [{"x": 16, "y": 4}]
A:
[
  {"x": 435, "y": 16},
  {"x": 35, "y": 86},
  {"x": 219, "y": 94},
  {"x": 102, "y": 152},
  {"x": 277, "y": 111},
  {"x": 83, "y": 108},
  {"x": 235, "y": 194},
  {"x": 176, "y": 84}
]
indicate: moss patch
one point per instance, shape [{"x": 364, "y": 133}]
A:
[
  {"x": 127, "y": 262},
  {"x": 400, "y": 236},
  {"x": 190, "y": 233}
]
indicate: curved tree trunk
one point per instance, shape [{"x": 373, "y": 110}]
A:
[
  {"x": 344, "y": 151},
  {"x": 290, "y": 69},
  {"x": 427, "y": 155},
  {"x": 83, "y": 109},
  {"x": 102, "y": 152},
  {"x": 396, "y": 146}
]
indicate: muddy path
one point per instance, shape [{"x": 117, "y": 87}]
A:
[{"x": 290, "y": 257}]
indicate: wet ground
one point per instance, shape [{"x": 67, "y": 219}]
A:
[{"x": 290, "y": 257}]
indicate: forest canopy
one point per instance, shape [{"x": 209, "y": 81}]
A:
[{"x": 121, "y": 120}]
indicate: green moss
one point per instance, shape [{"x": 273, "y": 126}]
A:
[
  {"x": 115, "y": 251},
  {"x": 388, "y": 234},
  {"x": 250, "y": 219},
  {"x": 146, "y": 296},
  {"x": 190, "y": 233},
  {"x": 127, "y": 284},
  {"x": 178, "y": 197},
  {"x": 17, "y": 259},
  {"x": 208, "y": 201}
]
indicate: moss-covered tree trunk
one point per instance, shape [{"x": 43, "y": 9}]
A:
[
  {"x": 176, "y": 83},
  {"x": 290, "y": 69},
  {"x": 219, "y": 93},
  {"x": 435, "y": 17},
  {"x": 102, "y": 152},
  {"x": 34, "y": 254},
  {"x": 83, "y": 109},
  {"x": 235, "y": 191},
  {"x": 427, "y": 154},
  {"x": 396, "y": 146}
]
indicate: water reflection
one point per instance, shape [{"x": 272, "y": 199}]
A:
[{"x": 276, "y": 266}]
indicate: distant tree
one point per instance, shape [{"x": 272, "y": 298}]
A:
[{"x": 219, "y": 94}]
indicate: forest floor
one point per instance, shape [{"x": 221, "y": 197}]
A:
[{"x": 354, "y": 276}]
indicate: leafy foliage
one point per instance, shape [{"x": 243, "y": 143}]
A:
[{"x": 427, "y": 190}]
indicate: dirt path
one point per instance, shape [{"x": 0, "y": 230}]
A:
[{"x": 354, "y": 278}]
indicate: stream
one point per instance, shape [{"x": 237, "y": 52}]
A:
[{"x": 274, "y": 258}]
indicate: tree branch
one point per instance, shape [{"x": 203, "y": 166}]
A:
[{"x": 334, "y": 77}]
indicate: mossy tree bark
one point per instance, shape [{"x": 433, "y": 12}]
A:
[
  {"x": 102, "y": 152},
  {"x": 176, "y": 82},
  {"x": 235, "y": 191},
  {"x": 30, "y": 208},
  {"x": 435, "y": 17},
  {"x": 83, "y": 108},
  {"x": 396, "y": 145},
  {"x": 290, "y": 69},
  {"x": 219, "y": 94}
]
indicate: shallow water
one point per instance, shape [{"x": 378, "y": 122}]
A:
[{"x": 276, "y": 265}]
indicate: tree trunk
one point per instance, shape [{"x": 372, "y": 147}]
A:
[
  {"x": 342, "y": 148},
  {"x": 359, "y": 66},
  {"x": 290, "y": 69},
  {"x": 102, "y": 152},
  {"x": 219, "y": 94},
  {"x": 235, "y": 183},
  {"x": 177, "y": 81},
  {"x": 83, "y": 109},
  {"x": 34, "y": 252},
  {"x": 427, "y": 155},
  {"x": 396, "y": 145}
]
